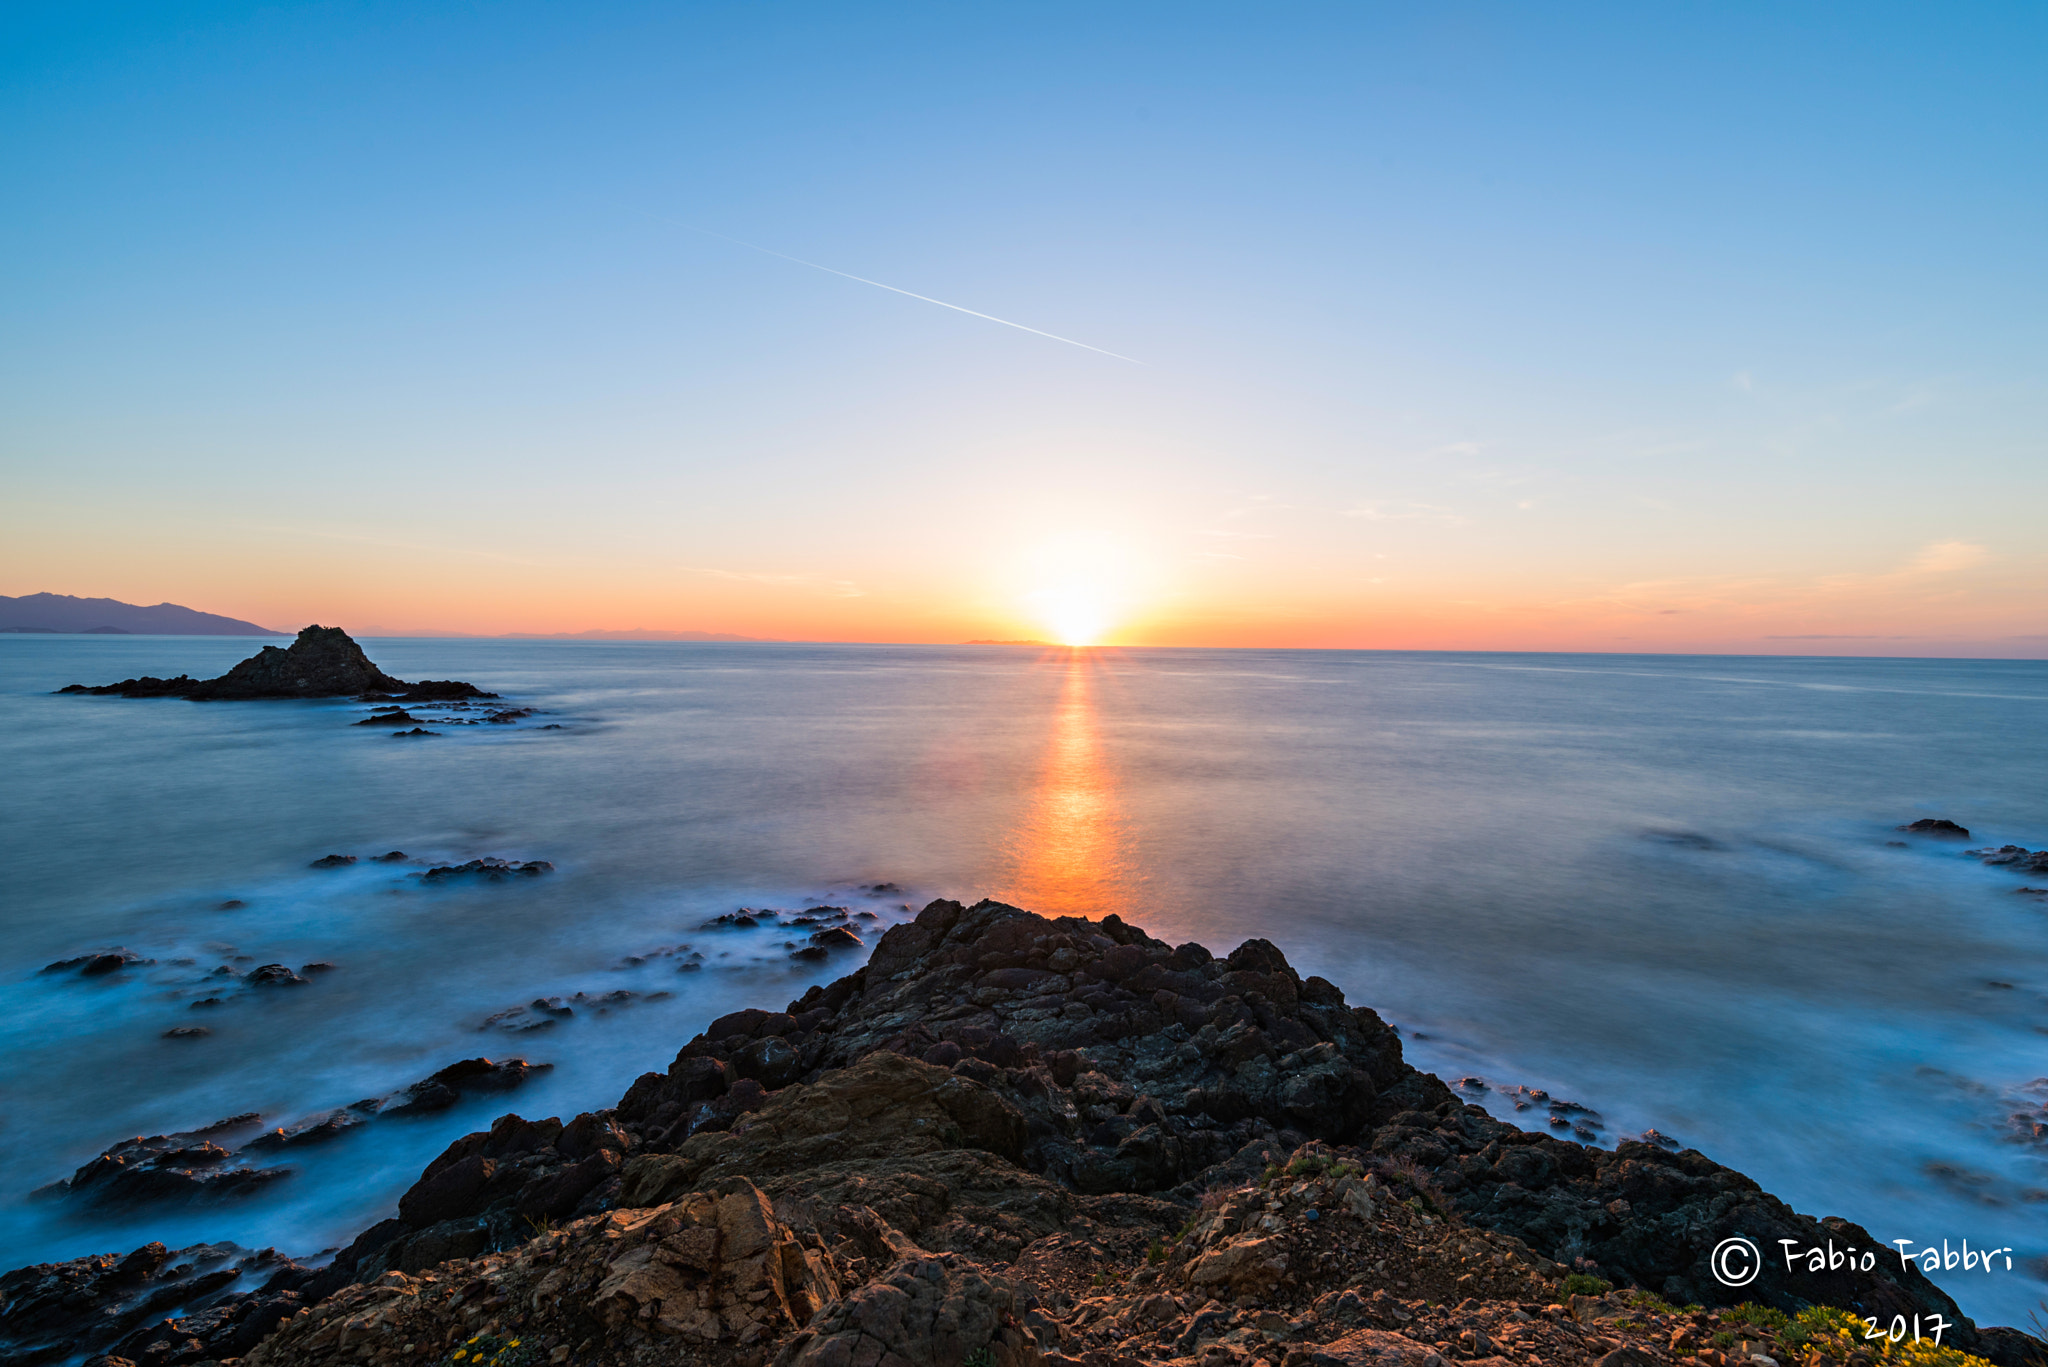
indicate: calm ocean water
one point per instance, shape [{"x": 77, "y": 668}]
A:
[{"x": 1658, "y": 886}]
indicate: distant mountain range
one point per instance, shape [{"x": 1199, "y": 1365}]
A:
[
  {"x": 54, "y": 613},
  {"x": 635, "y": 634}
]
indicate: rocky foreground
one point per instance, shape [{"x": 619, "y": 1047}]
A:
[
  {"x": 1011, "y": 1141},
  {"x": 324, "y": 662}
]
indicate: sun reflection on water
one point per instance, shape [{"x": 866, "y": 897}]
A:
[{"x": 1072, "y": 854}]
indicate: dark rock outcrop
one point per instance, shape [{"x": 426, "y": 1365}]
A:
[
  {"x": 488, "y": 870},
  {"x": 444, "y": 1088},
  {"x": 322, "y": 663},
  {"x": 98, "y": 965},
  {"x": 118, "y": 1305},
  {"x": 193, "y": 1167},
  {"x": 2017, "y": 858},
  {"x": 1017, "y": 1140},
  {"x": 1934, "y": 825}
]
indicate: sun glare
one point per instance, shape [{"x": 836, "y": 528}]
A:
[
  {"x": 1078, "y": 590},
  {"x": 1076, "y": 613}
]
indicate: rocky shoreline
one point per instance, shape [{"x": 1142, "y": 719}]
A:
[{"x": 1012, "y": 1140}]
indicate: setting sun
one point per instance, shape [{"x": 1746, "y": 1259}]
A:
[
  {"x": 1076, "y": 614},
  {"x": 1080, "y": 588}
]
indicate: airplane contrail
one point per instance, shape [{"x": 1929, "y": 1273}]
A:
[{"x": 893, "y": 290}]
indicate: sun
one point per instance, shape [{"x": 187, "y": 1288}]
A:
[
  {"x": 1078, "y": 590},
  {"x": 1077, "y": 613}
]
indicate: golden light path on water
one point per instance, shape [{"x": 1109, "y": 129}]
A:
[{"x": 1072, "y": 854}]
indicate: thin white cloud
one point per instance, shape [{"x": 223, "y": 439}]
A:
[
  {"x": 1393, "y": 510},
  {"x": 1946, "y": 557}
]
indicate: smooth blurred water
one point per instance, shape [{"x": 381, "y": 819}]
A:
[{"x": 1659, "y": 886}]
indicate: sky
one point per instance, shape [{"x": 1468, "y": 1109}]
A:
[{"x": 1675, "y": 327}]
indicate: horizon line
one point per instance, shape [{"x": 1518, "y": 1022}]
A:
[{"x": 733, "y": 639}]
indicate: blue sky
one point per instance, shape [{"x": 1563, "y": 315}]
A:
[{"x": 1611, "y": 327}]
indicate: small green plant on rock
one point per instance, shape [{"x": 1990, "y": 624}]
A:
[
  {"x": 1585, "y": 1284},
  {"x": 983, "y": 1356},
  {"x": 1308, "y": 1165},
  {"x": 1157, "y": 1253},
  {"x": 1762, "y": 1316}
]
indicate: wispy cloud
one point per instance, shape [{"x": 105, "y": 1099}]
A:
[
  {"x": 1395, "y": 510},
  {"x": 1946, "y": 557}
]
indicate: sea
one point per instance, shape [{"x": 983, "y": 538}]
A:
[{"x": 1670, "y": 889}]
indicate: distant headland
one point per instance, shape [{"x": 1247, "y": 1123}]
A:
[
  {"x": 322, "y": 663},
  {"x": 61, "y": 614}
]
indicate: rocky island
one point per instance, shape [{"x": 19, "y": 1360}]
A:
[
  {"x": 324, "y": 662},
  {"x": 1013, "y": 1141}
]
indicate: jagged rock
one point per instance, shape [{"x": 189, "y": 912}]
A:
[
  {"x": 112, "y": 1304},
  {"x": 322, "y": 663},
  {"x": 488, "y": 870},
  {"x": 1012, "y": 1139},
  {"x": 445, "y": 1087},
  {"x": 188, "y": 1168},
  {"x": 2018, "y": 858},
  {"x": 1932, "y": 825},
  {"x": 715, "y": 1266},
  {"x": 318, "y": 1130},
  {"x": 884, "y": 1106},
  {"x": 98, "y": 965},
  {"x": 923, "y": 1312}
]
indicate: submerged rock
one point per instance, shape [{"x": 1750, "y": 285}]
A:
[
  {"x": 1933, "y": 825},
  {"x": 192, "y": 1167},
  {"x": 489, "y": 870},
  {"x": 322, "y": 663},
  {"x": 98, "y": 965},
  {"x": 446, "y": 1087},
  {"x": 2018, "y": 858},
  {"x": 318, "y": 1130},
  {"x": 116, "y": 1305}
]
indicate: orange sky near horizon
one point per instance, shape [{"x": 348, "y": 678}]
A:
[{"x": 1941, "y": 598}]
